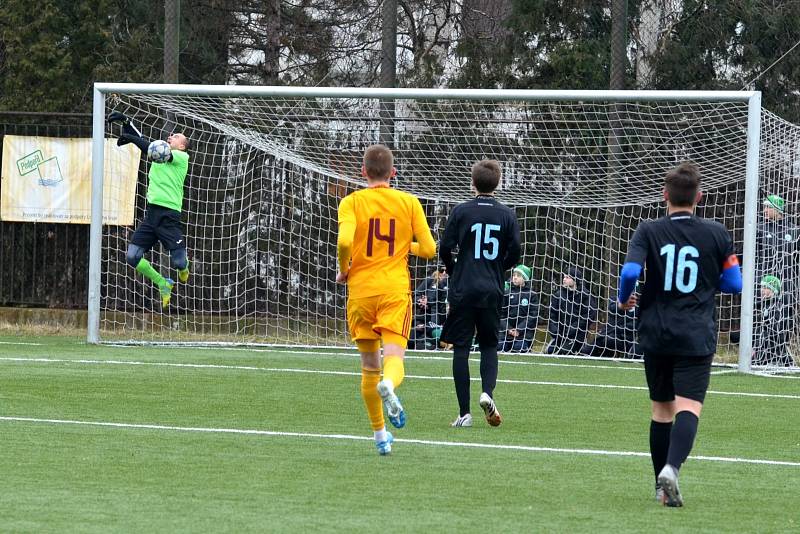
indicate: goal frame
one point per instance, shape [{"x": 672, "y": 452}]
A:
[{"x": 753, "y": 98}]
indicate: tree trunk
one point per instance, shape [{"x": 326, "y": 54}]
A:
[{"x": 388, "y": 68}]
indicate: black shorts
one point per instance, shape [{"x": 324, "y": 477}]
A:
[
  {"x": 160, "y": 224},
  {"x": 463, "y": 321},
  {"x": 684, "y": 376}
]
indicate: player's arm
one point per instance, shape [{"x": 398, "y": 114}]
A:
[
  {"x": 514, "y": 247},
  {"x": 632, "y": 268},
  {"x": 344, "y": 242},
  {"x": 730, "y": 281},
  {"x": 449, "y": 242},
  {"x": 425, "y": 244},
  {"x": 130, "y": 133}
]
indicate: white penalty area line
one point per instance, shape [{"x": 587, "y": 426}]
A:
[
  {"x": 351, "y": 373},
  {"x": 273, "y": 433}
]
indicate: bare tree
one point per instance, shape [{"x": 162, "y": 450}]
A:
[{"x": 657, "y": 18}]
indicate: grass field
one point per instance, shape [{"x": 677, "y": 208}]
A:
[{"x": 182, "y": 439}]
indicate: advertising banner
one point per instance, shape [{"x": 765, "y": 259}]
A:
[{"x": 49, "y": 179}]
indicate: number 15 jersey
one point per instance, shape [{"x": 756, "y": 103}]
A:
[
  {"x": 684, "y": 257},
  {"x": 486, "y": 233},
  {"x": 386, "y": 221}
]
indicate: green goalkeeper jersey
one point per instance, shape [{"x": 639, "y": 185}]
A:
[{"x": 166, "y": 181}]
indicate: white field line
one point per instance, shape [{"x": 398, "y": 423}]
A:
[
  {"x": 526, "y": 448},
  {"x": 407, "y": 357},
  {"x": 770, "y": 375},
  {"x": 351, "y": 373},
  {"x": 18, "y": 343}
]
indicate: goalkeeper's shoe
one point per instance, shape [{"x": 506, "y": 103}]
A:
[
  {"x": 462, "y": 420},
  {"x": 385, "y": 447},
  {"x": 490, "y": 410},
  {"x": 668, "y": 479},
  {"x": 394, "y": 410},
  {"x": 165, "y": 290},
  {"x": 183, "y": 275}
]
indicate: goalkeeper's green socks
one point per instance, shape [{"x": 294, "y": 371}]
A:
[
  {"x": 149, "y": 272},
  {"x": 183, "y": 274}
]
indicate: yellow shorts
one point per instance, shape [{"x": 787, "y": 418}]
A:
[{"x": 382, "y": 317}]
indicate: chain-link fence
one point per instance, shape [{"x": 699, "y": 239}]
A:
[{"x": 44, "y": 264}]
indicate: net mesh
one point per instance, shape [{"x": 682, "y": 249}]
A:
[{"x": 266, "y": 176}]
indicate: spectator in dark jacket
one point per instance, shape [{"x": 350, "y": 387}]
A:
[
  {"x": 572, "y": 311},
  {"x": 773, "y": 325},
  {"x": 617, "y": 337},
  {"x": 778, "y": 245},
  {"x": 430, "y": 310},
  {"x": 520, "y": 313}
]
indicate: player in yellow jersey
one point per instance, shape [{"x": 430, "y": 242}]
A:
[{"x": 377, "y": 230}]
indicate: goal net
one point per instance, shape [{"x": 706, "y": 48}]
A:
[{"x": 268, "y": 170}]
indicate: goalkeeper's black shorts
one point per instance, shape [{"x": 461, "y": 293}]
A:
[{"x": 160, "y": 224}]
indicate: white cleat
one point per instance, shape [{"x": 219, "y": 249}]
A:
[
  {"x": 394, "y": 410},
  {"x": 490, "y": 410},
  {"x": 463, "y": 420},
  {"x": 659, "y": 494}
]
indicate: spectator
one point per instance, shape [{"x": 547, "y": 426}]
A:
[
  {"x": 777, "y": 239},
  {"x": 430, "y": 310},
  {"x": 435, "y": 287},
  {"x": 617, "y": 338},
  {"x": 572, "y": 311},
  {"x": 773, "y": 325},
  {"x": 520, "y": 313},
  {"x": 427, "y": 324}
]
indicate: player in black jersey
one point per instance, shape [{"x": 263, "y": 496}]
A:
[
  {"x": 688, "y": 259},
  {"x": 486, "y": 234}
]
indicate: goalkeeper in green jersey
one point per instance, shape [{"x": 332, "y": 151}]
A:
[{"x": 162, "y": 221}]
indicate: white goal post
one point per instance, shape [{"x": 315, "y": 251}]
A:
[{"x": 269, "y": 164}]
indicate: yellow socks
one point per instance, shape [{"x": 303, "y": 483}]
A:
[
  {"x": 369, "y": 392},
  {"x": 393, "y": 370}
]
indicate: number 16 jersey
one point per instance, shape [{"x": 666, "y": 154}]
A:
[{"x": 684, "y": 257}]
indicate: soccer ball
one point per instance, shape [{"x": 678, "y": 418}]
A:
[{"x": 158, "y": 152}]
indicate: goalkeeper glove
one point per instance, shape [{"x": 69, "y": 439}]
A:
[{"x": 116, "y": 116}]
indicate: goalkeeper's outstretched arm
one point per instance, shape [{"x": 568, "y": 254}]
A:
[{"x": 130, "y": 133}]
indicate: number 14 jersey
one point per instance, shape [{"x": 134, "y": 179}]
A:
[
  {"x": 386, "y": 221},
  {"x": 684, "y": 257}
]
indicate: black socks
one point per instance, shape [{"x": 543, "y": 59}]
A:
[
  {"x": 681, "y": 438},
  {"x": 659, "y": 444},
  {"x": 461, "y": 378},
  {"x": 489, "y": 369}
]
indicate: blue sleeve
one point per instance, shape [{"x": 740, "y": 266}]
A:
[
  {"x": 730, "y": 281},
  {"x": 627, "y": 280}
]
